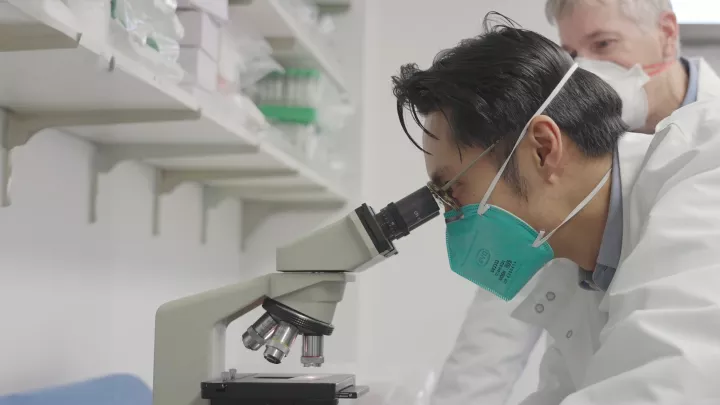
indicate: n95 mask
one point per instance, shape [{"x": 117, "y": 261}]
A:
[{"x": 628, "y": 83}]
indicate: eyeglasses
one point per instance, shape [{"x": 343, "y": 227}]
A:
[{"x": 442, "y": 193}]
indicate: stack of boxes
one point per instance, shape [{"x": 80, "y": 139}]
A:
[{"x": 200, "y": 47}]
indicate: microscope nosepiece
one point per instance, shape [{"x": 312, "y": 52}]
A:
[
  {"x": 279, "y": 344},
  {"x": 257, "y": 334}
]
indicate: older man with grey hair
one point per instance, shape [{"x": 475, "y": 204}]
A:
[
  {"x": 636, "y": 32},
  {"x": 493, "y": 348}
]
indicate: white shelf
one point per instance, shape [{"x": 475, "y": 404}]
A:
[
  {"x": 59, "y": 78},
  {"x": 214, "y": 127},
  {"x": 81, "y": 79},
  {"x": 333, "y": 3},
  {"x": 293, "y": 43},
  {"x": 24, "y": 26}
]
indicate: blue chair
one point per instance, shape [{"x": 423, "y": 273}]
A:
[{"x": 119, "y": 389}]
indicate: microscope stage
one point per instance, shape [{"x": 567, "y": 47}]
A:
[{"x": 282, "y": 389}]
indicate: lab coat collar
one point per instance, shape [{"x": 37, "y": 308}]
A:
[
  {"x": 632, "y": 150},
  {"x": 708, "y": 82}
]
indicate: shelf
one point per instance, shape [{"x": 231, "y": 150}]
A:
[
  {"x": 273, "y": 174},
  {"x": 49, "y": 66},
  {"x": 25, "y": 27},
  {"x": 55, "y": 77},
  {"x": 79, "y": 79},
  {"x": 213, "y": 127},
  {"x": 293, "y": 43}
]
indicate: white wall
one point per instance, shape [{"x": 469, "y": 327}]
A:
[
  {"x": 412, "y": 305},
  {"x": 711, "y": 53},
  {"x": 78, "y": 300}
]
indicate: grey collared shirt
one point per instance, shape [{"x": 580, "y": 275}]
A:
[
  {"x": 692, "y": 66},
  {"x": 611, "y": 245}
]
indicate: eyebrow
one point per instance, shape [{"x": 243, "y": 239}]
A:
[
  {"x": 597, "y": 33},
  {"x": 589, "y": 37}
]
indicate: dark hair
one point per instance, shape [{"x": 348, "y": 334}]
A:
[{"x": 489, "y": 86}]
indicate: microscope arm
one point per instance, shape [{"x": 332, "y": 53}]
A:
[{"x": 190, "y": 332}]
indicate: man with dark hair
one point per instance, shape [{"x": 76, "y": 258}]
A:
[
  {"x": 634, "y": 45},
  {"x": 529, "y": 153}
]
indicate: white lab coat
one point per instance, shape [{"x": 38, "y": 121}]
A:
[
  {"x": 654, "y": 338},
  {"x": 492, "y": 348}
]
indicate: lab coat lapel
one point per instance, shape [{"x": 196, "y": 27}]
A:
[
  {"x": 708, "y": 82},
  {"x": 631, "y": 152}
]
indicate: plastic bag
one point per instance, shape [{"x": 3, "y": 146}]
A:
[
  {"x": 245, "y": 58},
  {"x": 306, "y": 12},
  {"x": 150, "y": 31}
]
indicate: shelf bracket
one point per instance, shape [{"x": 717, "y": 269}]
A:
[
  {"x": 166, "y": 181},
  {"x": 99, "y": 163},
  {"x": 270, "y": 193},
  {"x": 211, "y": 198},
  {"x": 160, "y": 187},
  {"x": 107, "y": 156},
  {"x": 16, "y": 129},
  {"x": 254, "y": 213},
  {"x": 148, "y": 151},
  {"x": 327, "y": 8}
]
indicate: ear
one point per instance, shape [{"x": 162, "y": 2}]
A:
[
  {"x": 670, "y": 32},
  {"x": 545, "y": 139}
]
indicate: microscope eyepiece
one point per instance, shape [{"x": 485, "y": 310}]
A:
[{"x": 398, "y": 219}]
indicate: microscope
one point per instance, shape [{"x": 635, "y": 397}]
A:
[{"x": 299, "y": 300}]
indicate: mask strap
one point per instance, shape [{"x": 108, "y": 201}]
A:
[
  {"x": 656, "y": 69},
  {"x": 540, "y": 110},
  {"x": 542, "y": 237}
]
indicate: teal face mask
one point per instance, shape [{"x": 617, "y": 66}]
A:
[{"x": 492, "y": 247}]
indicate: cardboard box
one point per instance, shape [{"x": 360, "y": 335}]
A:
[
  {"x": 201, "y": 69},
  {"x": 216, "y": 8},
  {"x": 201, "y": 31}
]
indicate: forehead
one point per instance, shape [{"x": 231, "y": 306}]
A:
[
  {"x": 586, "y": 18},
  {"x": 442, "y": 160},
  {"x": 436, "y": 123}
]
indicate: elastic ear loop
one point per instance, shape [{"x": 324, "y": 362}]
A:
[
  {"x": 483, "y": 204},
  {"x": 542, "y": 237}
]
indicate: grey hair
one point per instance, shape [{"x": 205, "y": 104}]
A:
[{"x": 642, "y": 11}]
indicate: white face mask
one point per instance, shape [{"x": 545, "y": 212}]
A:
[{"x": 628, "y": 83}]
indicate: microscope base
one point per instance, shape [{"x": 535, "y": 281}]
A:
[{"x": 282, "y": 389}]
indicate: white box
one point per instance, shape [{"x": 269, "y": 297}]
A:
[
  {"x": 201, "y": 31},
  {"x": 200, "y": 67},
  {"x": 216, "y": 8},
  {"x": 229, "y": 60}
]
